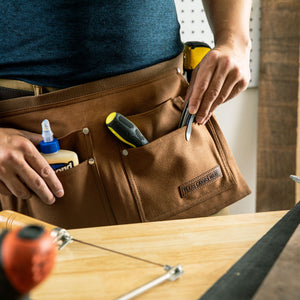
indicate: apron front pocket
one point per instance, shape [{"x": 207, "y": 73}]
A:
[
  {"x": 170, "y": 175},
  {"x": 83, "y": 202}
]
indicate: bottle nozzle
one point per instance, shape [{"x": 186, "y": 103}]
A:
[{"x": 47, "y": 133}]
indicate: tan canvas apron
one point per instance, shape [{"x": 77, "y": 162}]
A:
[{"x": 166, "y": 179}]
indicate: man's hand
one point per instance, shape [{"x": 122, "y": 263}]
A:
[
  {"x": 221, "y": 75},
  {"x": 23, "y": 169},
  {"x": 224, "y": 71}
]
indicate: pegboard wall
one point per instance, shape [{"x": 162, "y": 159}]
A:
[{"x": 195, "y": 27}]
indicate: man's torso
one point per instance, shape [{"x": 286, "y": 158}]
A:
[{"x": 63, "y": 43}]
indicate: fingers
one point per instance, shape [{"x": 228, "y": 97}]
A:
[
  {"x": 238, "y": 88},
  {"x": 42, "y": 178},
  {"x": 35, "y": 138},
  {"x": 200, "y": 83},
  {"x": 37, "y": 185},
  {"x": 15, "y": 187},
  {"x": 215, "y": 93},
  {"x": 216, "y": 79},
  {"x": 224, "y": 94},
  {"x": 23, "y": 169},
  {"x": 4, "y": 190}
]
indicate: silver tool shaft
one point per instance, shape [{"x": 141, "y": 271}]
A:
[
  {"x": 118, "y": 252},
  {"x": 295, "y": 178},
  {"x": 187, "y": 119},
  {"x": 172, "y": 274},
  {"x": 189, "y": 127}
]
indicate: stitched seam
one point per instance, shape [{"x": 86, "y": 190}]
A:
[
  {"x": 225, "y": 163},
  {"x": 134, "y": 188}
]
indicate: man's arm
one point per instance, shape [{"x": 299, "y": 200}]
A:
[{"x": 224, "y": 71}]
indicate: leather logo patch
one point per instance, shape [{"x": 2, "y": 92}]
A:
[{"x": 204, "y": 179}]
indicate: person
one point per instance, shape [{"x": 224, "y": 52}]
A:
[{"x": 60, "y": 44}]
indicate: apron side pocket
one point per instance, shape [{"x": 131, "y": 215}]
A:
[
  {"x": 171, "y": 175},
  {"x": 83, "y": 204}
]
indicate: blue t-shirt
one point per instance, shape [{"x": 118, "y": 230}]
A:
[{"x": 60, "y": 43}]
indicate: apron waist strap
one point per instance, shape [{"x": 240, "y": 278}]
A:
[
  {"x": 120, "y": 81},
  {"x": 25, "y": 86}
]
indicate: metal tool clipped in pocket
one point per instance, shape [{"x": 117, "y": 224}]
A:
[{"x": 187, "y": 119}]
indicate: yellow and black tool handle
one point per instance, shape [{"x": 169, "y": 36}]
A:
[
  {"x": 193, "y": 54},
  {"x": 125, "y": 130}
]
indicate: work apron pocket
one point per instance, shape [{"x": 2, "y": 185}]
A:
[
  {"x": 160, "y": 120},
  {"x": 82, "y": 203},
  {"x": 174, "y": 178},
  {"x": 171, "y": 175}
]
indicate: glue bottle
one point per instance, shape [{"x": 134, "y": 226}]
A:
[{"x": 59, "y": 160}]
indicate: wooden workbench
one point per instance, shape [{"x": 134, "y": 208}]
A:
[{"x": 205, "y": 247}]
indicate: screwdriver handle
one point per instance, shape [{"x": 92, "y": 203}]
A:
[
  {"x": 125, "y": 130},
  {"x": 11, "y": 220}
]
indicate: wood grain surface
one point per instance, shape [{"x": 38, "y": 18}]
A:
[
  {"x": 278, "y": 103},
  {"x": 205, "y": 247}
]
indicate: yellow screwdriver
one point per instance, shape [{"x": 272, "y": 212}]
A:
[{"x": 125, "y": 130}]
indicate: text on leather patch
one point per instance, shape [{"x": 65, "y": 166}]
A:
[{"x": 204, "y": 179}]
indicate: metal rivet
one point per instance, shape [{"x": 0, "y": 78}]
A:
[
  {"x": 125, "y": 152},
  {"x": 91, "y": 161},
  {"x": 85, "y": 130}
]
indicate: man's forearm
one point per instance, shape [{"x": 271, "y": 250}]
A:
[{"x": 229, "y": 21}]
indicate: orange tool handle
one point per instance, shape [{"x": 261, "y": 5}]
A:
[
  {"x": 28, "y": 255},
  {"x": 11, "y": 220}
]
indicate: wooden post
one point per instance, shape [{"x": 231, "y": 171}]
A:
[
  {"x": 278, "y": 104},
  {"x": 297, "y": 198}
]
